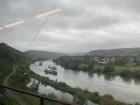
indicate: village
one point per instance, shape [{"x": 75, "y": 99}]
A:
[{"x": 105, "y": 59}]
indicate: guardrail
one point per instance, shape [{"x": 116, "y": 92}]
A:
[{"x": 39, "y": 96}]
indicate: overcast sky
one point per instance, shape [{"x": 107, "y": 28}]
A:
[{"x": 81, "y": 26}]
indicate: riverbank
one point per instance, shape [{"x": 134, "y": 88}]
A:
[
  {"x": 65, "y": 88},
  {"x": 132, "y": 72}
]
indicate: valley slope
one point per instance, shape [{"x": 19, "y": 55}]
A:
[
  {"x": 121, "y": 51},
  {"x": 34, "y": 54}
]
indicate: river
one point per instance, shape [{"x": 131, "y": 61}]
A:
[{"x": 123, "y": 89}]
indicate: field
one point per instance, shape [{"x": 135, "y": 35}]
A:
[
  {"x": 117, "y": 68},
  {"x": 83, "y": 65}
]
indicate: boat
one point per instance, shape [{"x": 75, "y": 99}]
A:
[
  {"x": 53, "y": 68},
  {"x": 50, "y": 71},
  {"x": 40, "y": 63}
]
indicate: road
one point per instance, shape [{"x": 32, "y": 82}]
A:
[{"x": 10, "y": 94}]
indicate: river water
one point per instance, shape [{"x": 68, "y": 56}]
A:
[{"x": 123, "y": 89}]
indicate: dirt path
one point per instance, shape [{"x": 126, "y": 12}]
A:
[{"x": 10, "y": 94}]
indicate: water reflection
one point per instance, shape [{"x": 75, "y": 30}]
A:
[
  {"x": 127, "y": 80},
  {"x": 46, "y": 89},
  {"x": 99, "y": 75},
  {"x": 109, "y": 77},
  {"x": 90, "y": 74},
  {"x": 137, "y": 81}
]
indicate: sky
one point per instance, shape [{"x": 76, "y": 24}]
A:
[{"x": 80, "y": 26}]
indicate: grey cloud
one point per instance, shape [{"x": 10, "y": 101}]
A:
[{"x": 80, "y": 26}]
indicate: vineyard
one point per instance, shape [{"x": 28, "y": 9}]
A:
[
  {"x": 9, "y": 101},
  {"x": 2, "y": 90}
]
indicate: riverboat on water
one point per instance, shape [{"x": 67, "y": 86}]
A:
[
  {"x": 40, "y": 63},
  {"x": 53, "y": 68},
  {"x": 50, "y": 71}
]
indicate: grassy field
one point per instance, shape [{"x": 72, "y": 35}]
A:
[
  {"x": 83, "y": 65},
  {"x": 117, "y": 68}
]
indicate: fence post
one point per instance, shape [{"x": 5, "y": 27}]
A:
[{"x": 41, "y": 101}]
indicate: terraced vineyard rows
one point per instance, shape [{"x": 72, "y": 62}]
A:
[{"x": 9, "y": 101}]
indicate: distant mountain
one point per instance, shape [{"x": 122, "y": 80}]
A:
[
  {"x": 77, "y": 53},
  {"x": 43, "y": 54},
  {"x": 121, "y": 51}
]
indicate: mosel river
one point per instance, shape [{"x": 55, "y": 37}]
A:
[{"x": 122, "y": 88}]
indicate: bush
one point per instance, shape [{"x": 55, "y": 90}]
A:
[
  {"x": 96, "y": 94},
  {"x": 109, "y": 96},
  {"x": 109, "y": 69},
  {"x": 84, "y": 68},
  {"x": 126, "y": 72},
  {"x": 137, "y": 103},
  {"x": 98, "y": 70},
  {"x": 137, "y": 72},
  {"x": 107, "y": 101}
]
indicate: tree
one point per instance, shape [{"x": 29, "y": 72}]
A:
[
  {"x": 66, "y": 63},
  {"x": 137, "y": 103},
  {"x": 25, "y": 79},
  {"x": 109, "y": 96},
  {"x": 120, "y": 62},
  {"x": 52, "y": 95},
  {"x": 137, "y": 72},
  {"x": 109, "y": 69},
  {"x": 75, "y": 66},
  {"x": 126, "y": 72},
  {"x": 80, "y": 99},
  {"x": 96, "y": 94},
  {"x": 107, "y": 101},
  {"x": 110, "y": 63},
  {"x": 90, "y": 66},
  {"x": 98, "y": 70}
]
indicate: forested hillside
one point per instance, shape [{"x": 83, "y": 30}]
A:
[
  {"x": 34, "y": 54},
  {"x": 8, "y": 58},
  {"x": 121, "y": 51},
  {"x": 12, "y": 55}
]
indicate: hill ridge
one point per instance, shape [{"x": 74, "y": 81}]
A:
[{"x": 118, "y": 51}]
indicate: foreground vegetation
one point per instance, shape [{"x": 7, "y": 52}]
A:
[{"x": 9, "y": 57}]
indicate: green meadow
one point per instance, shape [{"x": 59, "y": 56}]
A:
[{"x": 117, "y": 68}]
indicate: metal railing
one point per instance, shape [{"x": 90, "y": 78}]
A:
[{"x": 40, "y": 96}]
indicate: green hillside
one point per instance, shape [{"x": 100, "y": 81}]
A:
[
  {"x": 121, "y": 51},
  {"x": 8, "y": 58},
  {"x": 12, "y": 55},
  {"x": 5, "y": 68},
  {"x": 43, "y": 54}
]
